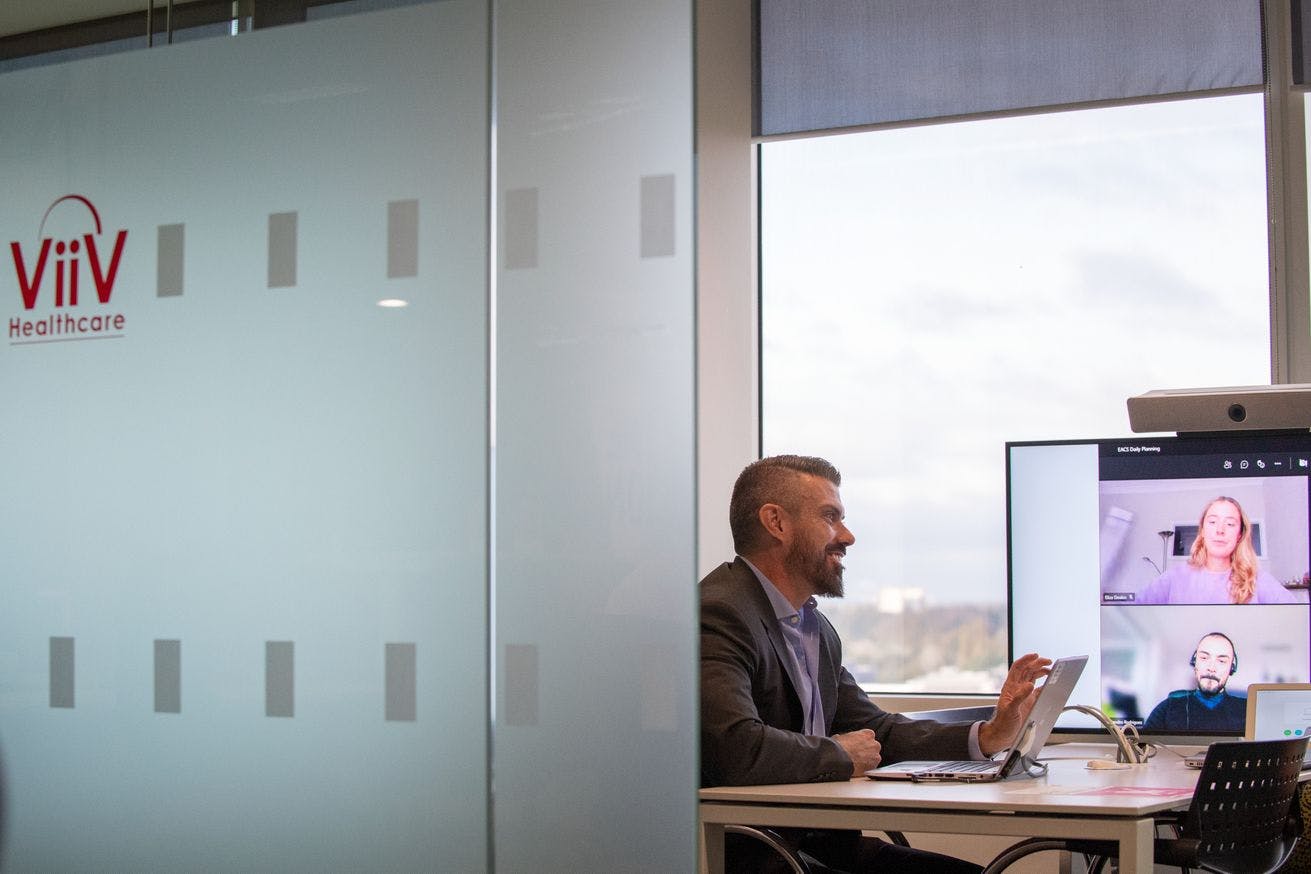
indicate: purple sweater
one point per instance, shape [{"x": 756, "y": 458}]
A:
[{"x": 1185, "y": 584}]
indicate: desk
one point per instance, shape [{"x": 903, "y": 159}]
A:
[{"x": 1070, "y": 801}]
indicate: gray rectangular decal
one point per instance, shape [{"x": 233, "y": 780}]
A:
[
  {"x": 279, "y": 678},
  {"x": 401, "y": 682},
  {"x": 520, "y": 684},
  {"x": 657, "y": 216},
  {"x": 282, "y": 250},
  {"x": 520, "y": 228},
  {"x": 61, "y": 672},
  {"x": 402, "y": 238},
  {"x": 169, "y": 259},
  {"x": 168, "y": 676}
]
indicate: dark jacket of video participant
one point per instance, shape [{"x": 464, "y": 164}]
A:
[{"x": 1208, "y": 707}]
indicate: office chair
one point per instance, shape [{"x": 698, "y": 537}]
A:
[
  {"x": 796, "y": 862},
  {"x": 1243, "y": 818},
  {"x": 775, "y": 842},
  {"x": 1300, "y": 861}
]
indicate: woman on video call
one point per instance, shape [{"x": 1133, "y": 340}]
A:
[{"x": 1222, "y": 568}]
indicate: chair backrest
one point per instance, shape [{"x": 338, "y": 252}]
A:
[{"x": 1244, "y": 795}]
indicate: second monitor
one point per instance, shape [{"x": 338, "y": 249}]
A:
[{"x": 1181, "y": 564}]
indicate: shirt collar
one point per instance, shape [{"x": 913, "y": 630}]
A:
[
  {"x": 783, "y": 609},
  {"x": 1210, "y": 702}
]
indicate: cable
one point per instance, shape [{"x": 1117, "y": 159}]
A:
[
  {"x": 1134, "y": 752},
  {"x": 1146, "y": 749},
  {"x": 1032, "y": 767}
]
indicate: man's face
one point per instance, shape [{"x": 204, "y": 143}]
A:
[
  {"x": 1211, "y": 664},
  {"x": 820, "y": 539}
]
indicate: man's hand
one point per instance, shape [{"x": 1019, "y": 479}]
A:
[
  {"x": 1014, "y": 703},
  {"x": 863, "y": 747}
]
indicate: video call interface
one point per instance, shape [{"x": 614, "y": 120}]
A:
[{"x": 1179, "y": 565}]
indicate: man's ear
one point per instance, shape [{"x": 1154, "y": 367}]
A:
[{"x": 773, "y": 519}]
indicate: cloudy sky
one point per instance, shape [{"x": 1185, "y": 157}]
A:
[{"x": 932, "y": 292}]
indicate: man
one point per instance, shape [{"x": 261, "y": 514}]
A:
[
  {"x": 777, "y": 706},
  {"x": 1209, "y": 706}
]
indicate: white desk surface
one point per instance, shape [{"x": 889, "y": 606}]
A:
[
  {"x": 1070, "y": 801},
  {"x": 1069, "y": 787}
]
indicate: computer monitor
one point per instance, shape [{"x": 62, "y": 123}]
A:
[{"x": 1180, "y": 564}]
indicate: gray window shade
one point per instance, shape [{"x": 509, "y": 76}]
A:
[{"x": 839, "y": 63}]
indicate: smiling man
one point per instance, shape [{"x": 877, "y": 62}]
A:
[
  {"x": 1209, "y": 706},
  {"x": 777, "y": 706}
]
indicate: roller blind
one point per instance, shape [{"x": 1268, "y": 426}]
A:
[{"x": 842, "y": 63}]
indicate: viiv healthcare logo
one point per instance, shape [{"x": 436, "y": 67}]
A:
[{"x": 72, "y": 259}]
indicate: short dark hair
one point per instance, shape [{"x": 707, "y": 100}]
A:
[
  {"x": 769, "y": 481},
  {"x": 1226, "y": 637}
]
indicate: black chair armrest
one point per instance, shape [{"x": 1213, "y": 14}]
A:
[
  {"x": 1179, "y": 852},
  {"x": 775, "y": 842}
]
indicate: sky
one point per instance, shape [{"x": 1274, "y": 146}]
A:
[{"x": 930, "y": 293}]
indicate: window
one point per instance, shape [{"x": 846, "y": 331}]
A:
[{"x": 928, "y": 293}]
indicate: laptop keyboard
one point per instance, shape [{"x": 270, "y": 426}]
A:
[{"x": 961, "y": 768}]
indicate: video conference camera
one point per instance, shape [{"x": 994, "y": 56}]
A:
[{"x": 1236, "y": 408}]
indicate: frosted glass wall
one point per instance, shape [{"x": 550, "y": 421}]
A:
[
  {"x": 244, "y": 517},
  {"x": 594, "y": 764},
  {"x": 262, "y": 612}
]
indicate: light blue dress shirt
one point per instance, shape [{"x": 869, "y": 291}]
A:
[{"x": 801, "y": 630}]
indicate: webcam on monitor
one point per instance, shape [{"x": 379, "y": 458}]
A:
[{"x": 1236, "y": 408}]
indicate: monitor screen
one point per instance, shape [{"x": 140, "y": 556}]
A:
[{"x": 1178, "y": 564}]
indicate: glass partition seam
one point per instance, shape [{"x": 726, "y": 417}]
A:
[{"x": 492, "y": 238}]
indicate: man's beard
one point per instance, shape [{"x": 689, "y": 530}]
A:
[
  {"x": 1218, "y": 686},
  {"x": 812, "y": 565}
]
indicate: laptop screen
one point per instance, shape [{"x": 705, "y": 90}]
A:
[{"x": 1278, "y": 710}]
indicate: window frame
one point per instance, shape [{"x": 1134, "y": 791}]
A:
[{"x": 1288, "y": 238}]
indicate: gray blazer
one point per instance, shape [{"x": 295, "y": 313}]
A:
[{"x": 751, "y": 716}]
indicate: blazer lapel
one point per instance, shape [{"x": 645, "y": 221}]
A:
[{"x": 782, "y": 652}]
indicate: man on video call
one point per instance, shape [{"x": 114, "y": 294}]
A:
[
  {"x": 1208, "y": 706},
  {"x": 777, "y": 706}
]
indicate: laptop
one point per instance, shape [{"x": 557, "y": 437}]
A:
[{"x": 1029, "y": 737}]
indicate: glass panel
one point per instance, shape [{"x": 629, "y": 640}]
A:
[
  {"x": 930, "y": 293},
  {"x": 595, "y": 742},
  {"x": 245, "y": 551},
  {"x": 124, "y": 29}
]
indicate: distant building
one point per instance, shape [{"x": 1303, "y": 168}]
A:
[{"x": 896, "y": 600}]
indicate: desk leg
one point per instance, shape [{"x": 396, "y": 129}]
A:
[
  {"x": 712, "y": 848},
  {"x": 1136, "y": 848}
]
